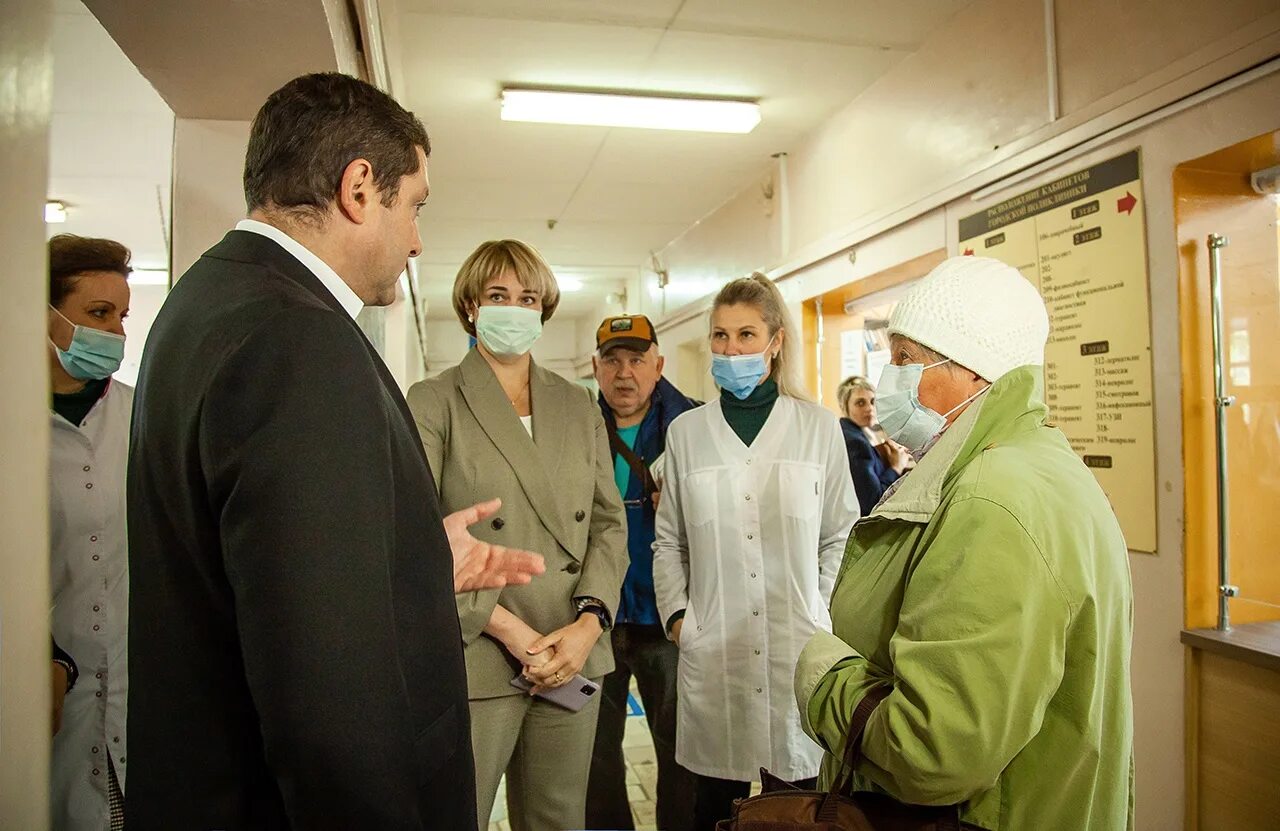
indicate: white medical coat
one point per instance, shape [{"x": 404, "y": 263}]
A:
[
  {"x": 90, "y": 582},
  {"x": 749, "y": 542}
]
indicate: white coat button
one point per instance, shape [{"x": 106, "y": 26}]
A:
[
  {"x": 96, "y": 558},
  {"x": 757, "y": 651},
  {"x": 759, "y": 689},
  {"x": 95, "y": 771},
  {"x": 755, "y": 614},
  {"x": 96, "y": 627},
  {"x": 750, "y": 537},
  {"x": 116, "y": 740},
  {"x": 94, "y": 538},
  {"x": 88, "y": 485},
  {"x": 95, "y": 749},
  {"x": 753, "y": 574},
  {"x": 86, "y": 468},
  {"x": 748, "y": 497}
]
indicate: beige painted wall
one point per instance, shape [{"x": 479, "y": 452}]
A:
[
  {"x": 971, "y": 106},
  {"x": 26, "y": 65},
  {"x": 208, "y": 185},
  {"x": 221, "y": 60}
]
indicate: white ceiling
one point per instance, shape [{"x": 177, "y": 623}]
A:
[
  {"x": 617, "y": 194},
  {"x": 111, "y": 141}
]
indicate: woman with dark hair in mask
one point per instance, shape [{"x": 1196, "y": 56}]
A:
[{"x": 88, "y": 557}]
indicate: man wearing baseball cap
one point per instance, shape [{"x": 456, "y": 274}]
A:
[
  {"x": 638, "y": 405},
  {"x": 986, "y": 602}
]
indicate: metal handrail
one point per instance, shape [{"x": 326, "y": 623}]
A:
[{"x": 1221, "y": 402}]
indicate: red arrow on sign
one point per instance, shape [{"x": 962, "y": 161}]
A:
[{"x": 1126, "y": 203}]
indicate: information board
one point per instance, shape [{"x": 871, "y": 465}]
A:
[{"x": 1081, "y": 242}]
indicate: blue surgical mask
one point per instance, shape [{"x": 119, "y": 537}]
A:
[
  {"x": 92, "y": 354},
  {"x": 508, "y": 331},
  {"x": 903, "y": 417},
  {"x": 740, "y": 374}
]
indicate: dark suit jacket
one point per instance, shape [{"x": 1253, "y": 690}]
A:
[
  {"x": 295, "y": 655},
  {"x": 871, "y": 476}
]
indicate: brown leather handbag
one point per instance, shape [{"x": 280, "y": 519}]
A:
[{"x": 781, "y": 806}]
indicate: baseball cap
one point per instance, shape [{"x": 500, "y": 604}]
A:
[{"x": 632, "y": 331}]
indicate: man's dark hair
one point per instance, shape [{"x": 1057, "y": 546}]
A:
[
  {"x": 311, "y": 128},
  {"x": 71, "y": 256}
]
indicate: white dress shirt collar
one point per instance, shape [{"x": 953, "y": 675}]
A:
[{"x": 326, "y": 275}]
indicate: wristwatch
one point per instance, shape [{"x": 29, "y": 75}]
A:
[{"x": 595, "y": 607}]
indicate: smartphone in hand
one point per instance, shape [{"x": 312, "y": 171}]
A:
[{"x": 571, "y": 696}]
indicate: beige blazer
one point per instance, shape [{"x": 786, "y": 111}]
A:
[{"x": 558, "y": 499}]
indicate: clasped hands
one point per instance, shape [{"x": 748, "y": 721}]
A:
[{"x": 552, "y": 660}]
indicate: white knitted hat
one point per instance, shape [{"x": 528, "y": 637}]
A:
[{"x": 979, "y": 312}]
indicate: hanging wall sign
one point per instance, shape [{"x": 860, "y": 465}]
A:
[{"x": 1081, "y": 242}]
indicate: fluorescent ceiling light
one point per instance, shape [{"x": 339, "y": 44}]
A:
[
  {"x": 55, "y": 211},
  {"x": 149, "y": 277},
  {"x": 569, "y": 284},
  {"x": 601, "y": 109}
]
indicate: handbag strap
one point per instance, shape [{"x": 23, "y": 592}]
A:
[
  {"x": 853, "y": 743},
  {"x": 638, "y": 467}
]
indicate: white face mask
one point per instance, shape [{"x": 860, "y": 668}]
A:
[
  {"x": 508, "y": 331},
  {"x": 902, "y": 416}
]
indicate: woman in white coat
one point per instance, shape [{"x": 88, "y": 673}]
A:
[
  {"x": 88, "y": 449},
  {"x": 756, "y": 507}
]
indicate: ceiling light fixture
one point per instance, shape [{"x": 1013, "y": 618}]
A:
[
  {"x": 55, "y": 211},
  {"x": 569, "y": 284},
  {"x": 149, "y": 277},
  {"x": 655, "y": 112}
]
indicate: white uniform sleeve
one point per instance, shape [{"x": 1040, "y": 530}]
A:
[
  {"x": 839, "y": 509},
  {"x": 671, "y": 544}
]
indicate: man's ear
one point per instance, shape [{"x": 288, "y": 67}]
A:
[
  {"x": 662, "y": 362},
  {"x": 357, "y": 191}
]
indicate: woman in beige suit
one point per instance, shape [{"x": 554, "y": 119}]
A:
[{"x": 498, "y": 425}]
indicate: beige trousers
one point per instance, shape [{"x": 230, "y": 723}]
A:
[{"x": 545, "y": 751}]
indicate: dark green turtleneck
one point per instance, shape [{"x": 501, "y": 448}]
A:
[
  {"x": 747, "y": 416},
  {"x": 75, "y": 406}
]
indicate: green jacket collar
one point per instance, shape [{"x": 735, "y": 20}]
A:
[{"x": 1014, "y": 404}]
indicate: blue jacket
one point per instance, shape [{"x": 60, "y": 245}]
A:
[
  {"x": 871, "y": 476},
  {"x": 638, "y": 603}
]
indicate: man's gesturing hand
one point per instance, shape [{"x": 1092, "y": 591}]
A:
[{"x": 482, "y": 565}]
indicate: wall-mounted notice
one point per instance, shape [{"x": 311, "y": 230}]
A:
[
  {"x": 852, "y": 346},
  {"x": 876, "y": 362},
  {"x": 1081, "y": 241}
]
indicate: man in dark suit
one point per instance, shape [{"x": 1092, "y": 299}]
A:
[{"x": 296, "y": 659}]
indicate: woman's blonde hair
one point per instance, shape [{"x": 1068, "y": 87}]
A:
[
  {"x": 489, "y": 261},
  {"x": 762, "y": 294},
  {"x": 845, "y": 391}
]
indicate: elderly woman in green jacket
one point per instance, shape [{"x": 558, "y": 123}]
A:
[{"x": 988, "y": 593}]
